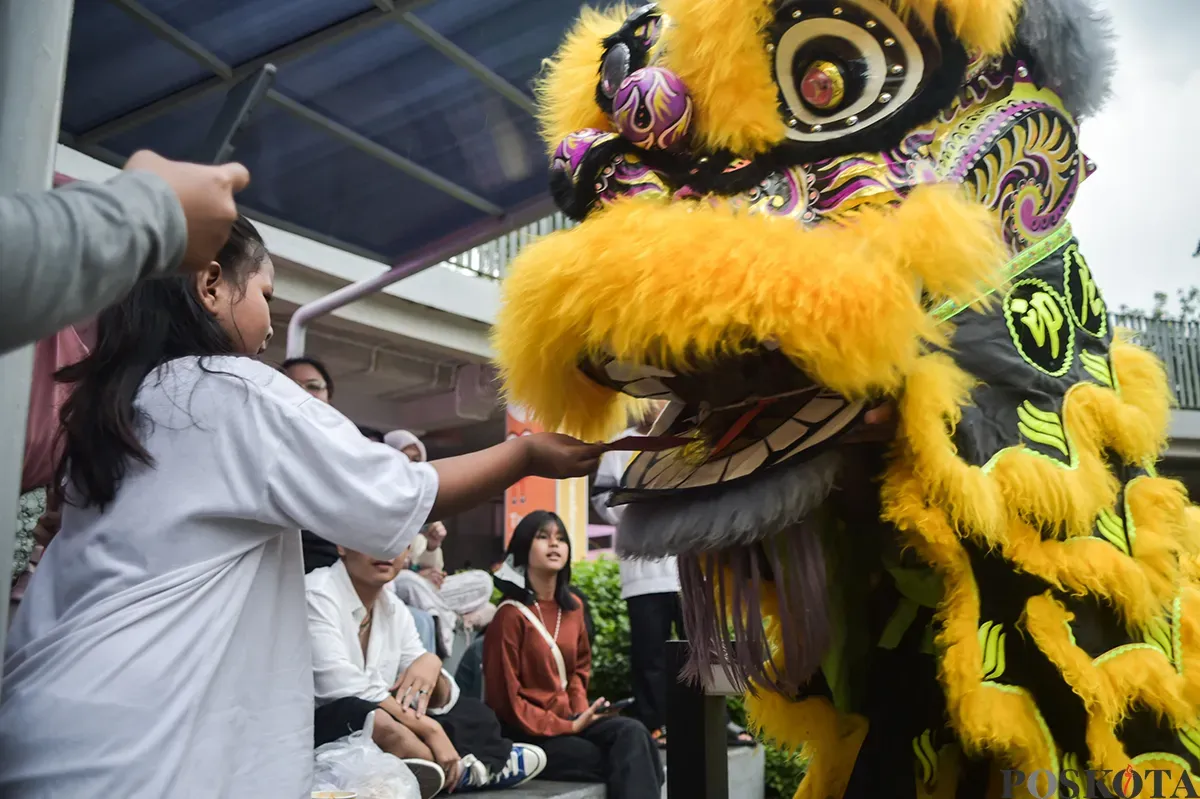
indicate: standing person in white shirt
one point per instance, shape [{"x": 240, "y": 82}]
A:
[
  {"x": 162, "y": 649},
  {"x": 650, "y": 589},
  {"x": 368, "y": 659}
]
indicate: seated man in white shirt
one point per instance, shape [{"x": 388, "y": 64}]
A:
[{"x": 368, "y": 658}]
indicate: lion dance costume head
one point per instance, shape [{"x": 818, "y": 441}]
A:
[{"x": 792, "y": 211}]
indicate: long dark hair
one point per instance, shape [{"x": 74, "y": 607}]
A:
[
  {"x": 160, "y": 320},
  {"x": 518, "y": 549}
]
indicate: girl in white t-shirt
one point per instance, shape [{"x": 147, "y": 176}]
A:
[{"x": 162, "y": 649}]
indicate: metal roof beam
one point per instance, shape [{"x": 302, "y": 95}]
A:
[
  {"x": 365, "y": 20},
  {"x": 179, "y": 39},
  {"x": 389, "y": 157},
  {"x": 467, "y": 61},
  {"x": 163, "y": 30}
]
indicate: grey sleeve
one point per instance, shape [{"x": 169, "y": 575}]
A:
[{"x": 67, "y": 254}]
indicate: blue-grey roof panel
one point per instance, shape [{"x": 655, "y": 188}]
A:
[
  {"x": 313, "y": 181},
  {"x": 115, "y": 65},
  {"x": 382, "y": 82},
  {"x": 237, "y": 31}
]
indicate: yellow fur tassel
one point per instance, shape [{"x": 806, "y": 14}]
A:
[
  {"x": 1110, "y": 684},
  {"x": 985, "y": 715},
  {"x": 839, "y": 300},
  {"x": 829, "y": 740},
  {"x": 566, "y": 89},
  {"x": 987, "y": 25},
  {"x": 718, "y": 48}
]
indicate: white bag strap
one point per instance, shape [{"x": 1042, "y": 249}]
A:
[{"x": 541, "y": 628}]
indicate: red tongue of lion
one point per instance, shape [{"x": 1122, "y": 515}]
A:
[{"x": 661, "y": 443}]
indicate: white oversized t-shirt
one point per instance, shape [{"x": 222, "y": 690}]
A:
[{"x": 162, "y": 648}]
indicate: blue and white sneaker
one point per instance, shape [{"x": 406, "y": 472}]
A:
[{"x": 525, "y": 763}]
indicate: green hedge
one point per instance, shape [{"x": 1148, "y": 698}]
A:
[{"x": 600, "y": 581}]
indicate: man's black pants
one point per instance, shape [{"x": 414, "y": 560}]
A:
[{"x": 651, "y": 618}]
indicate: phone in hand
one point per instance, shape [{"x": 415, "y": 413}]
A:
[{"x": 618, "y": 706}]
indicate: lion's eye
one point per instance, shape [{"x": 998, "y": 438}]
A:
[{"x": 842, "y": 66}]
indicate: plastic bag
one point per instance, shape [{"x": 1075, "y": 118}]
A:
[{"x": 356, "y": 763}]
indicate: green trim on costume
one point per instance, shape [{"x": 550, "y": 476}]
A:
[
  {"x": 1097, "y": 367},
  {"x": 1190, "y": 738},
  {"x": 1130, "y": 526},
  {"x": 1158, "y": 633},
  {"x": 992, "y": 640},
  {"x": 927, "y": 758},
  {"x": 922, "y": 585},
  {"x": 1121, "y": 650},
  {"x": 1051, "y": 746},
  {"x": 1164, "y": 757},
  {"x": 1021, "y": 263},
  {"x": 901, "y": 619},
  {"x": 1073, "y": 257},
  {"x": 1176, "y": 632},
  {"x": 1042, "y": 427},
  {"x": 1112, "y": 529}
]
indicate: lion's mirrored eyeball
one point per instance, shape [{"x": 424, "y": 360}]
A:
[
  {"x": 653, "y": 109},
  {"x": 843, "y": 67}
]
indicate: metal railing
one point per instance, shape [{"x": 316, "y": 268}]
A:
[
  {"x": 1177, "y": 344},
  {"x": 490, "y": 260}
]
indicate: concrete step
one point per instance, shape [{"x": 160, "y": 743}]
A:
[
  {"x": 747, "y": 773},
  {"x": 539, "y": 789}
]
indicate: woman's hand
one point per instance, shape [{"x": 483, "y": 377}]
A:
[
  {"x": 878, "y": 426},
  {"x": 433, "y": 575},
  {"x": 435, "y": 534},
  {"x": 558, "y": 457},
  {"x": 588, "y": 717},
  {"x": 417, "y": 682}
]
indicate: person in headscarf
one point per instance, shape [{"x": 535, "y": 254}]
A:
[{"x": 426, "y": 585}]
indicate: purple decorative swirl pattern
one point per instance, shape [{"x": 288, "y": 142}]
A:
[
  {"x": 843, "y": 183},
  {"x": 569, "y": 155},
  {"x": 626, "y": 176},
  {"x": 1024, "y": 163},
  {"x": 653, "y": 109}
]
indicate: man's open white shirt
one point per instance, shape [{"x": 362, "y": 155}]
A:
[{"x": 335, "y": 612}]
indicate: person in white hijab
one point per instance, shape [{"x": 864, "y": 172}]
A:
[
  {"x": 407, "y": 443},
  {"x": 465, "y": 595}
]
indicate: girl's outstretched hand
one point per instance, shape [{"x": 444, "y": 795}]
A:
[{"x": 556, "y": 456}]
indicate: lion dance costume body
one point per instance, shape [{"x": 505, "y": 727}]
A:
[{"x": 790, "y": 212}]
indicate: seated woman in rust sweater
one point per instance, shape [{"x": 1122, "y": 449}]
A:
[{"x": 536, "y": 666}]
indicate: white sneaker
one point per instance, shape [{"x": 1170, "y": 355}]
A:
[
  {"x": 524, "y": 763},
  {"x": 474, "y": 774},
  {"x": 430, "y": 777}
]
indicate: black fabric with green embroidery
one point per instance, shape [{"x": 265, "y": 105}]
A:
[{"x": 1049, "y": 332}]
